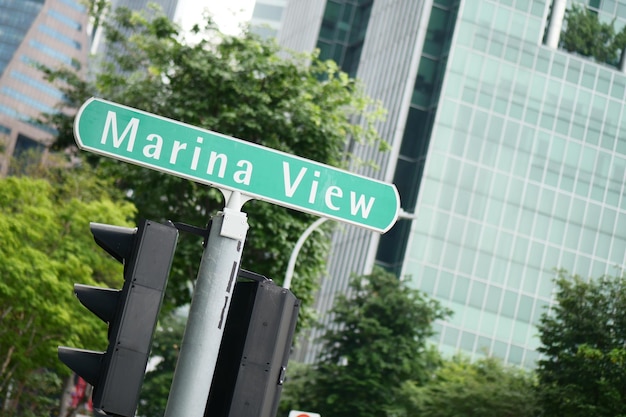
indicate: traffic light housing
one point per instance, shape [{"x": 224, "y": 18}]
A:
[
  {"x": 254, "y": 352},
  {"x": 131, "y": 313}
]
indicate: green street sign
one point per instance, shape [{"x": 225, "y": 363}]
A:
[{"x": 227, "y": 163}]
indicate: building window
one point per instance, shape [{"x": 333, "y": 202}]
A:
[
  {"x": 39, "y": 85},
  {"x": 54, "y": 53},
  {"x": 34, "y": 103},
  {"x": 47, "y": 30},
  {"x": 65, "y": 20}
]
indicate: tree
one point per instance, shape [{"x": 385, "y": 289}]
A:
[
  {"x": 583, "y": 341},
  {"x": 378, "y": 341},
  {"x": 586, "y": 35},
  {"x": 297, "y": 392},
  {"x": 484, "y": 388},
  {"x": 46, "y": 248},
  {"x": 238, "y": 86}
]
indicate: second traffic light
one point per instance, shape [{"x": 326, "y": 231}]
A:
[
  {"x": 254, "y": 352},
  {"x": 131, "y": 313}
]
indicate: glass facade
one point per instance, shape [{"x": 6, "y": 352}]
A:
[
  {"x": 416, "y": 137},
  {"x": 16, "y": 16},
  {"x": 524, "y": 175},
  {"x": 342, "y": 32},
  {"x": 511, "y": 154}
]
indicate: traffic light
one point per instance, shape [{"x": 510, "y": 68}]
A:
[
  {"x": 254, "y": 352},
  {"x": 131, "y": 313}
]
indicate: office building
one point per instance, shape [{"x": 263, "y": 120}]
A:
[
  {"x": 52, "y": 33},
  {"x": 48, "y": 32},
  {"x": 510, "y": 151}
]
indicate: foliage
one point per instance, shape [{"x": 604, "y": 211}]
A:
[
  {"x": 40, "y": 396},
  {"x": 378, "y": 342},
  {"x": 485, "y": 388},
  {"x": 46, "y": 248},
  {"x": 585, "y": 34},
  {"x": 297, "y": 388},
  {"x": 583, "y": 372},
  {"x": 238, "y": 86},
  {"x": 165, "y": 348}
]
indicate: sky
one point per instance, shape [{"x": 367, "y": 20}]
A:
[{"x": 228, "y": 14}]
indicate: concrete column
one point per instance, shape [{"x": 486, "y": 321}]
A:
[{"x": 556, "y": 23}]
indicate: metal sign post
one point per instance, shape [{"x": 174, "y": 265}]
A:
[{"x": 207, "y": 316}]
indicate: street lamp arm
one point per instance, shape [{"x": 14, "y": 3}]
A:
[
  {"x": 296, "y": 249},
  {"x": 406, "y": 215}
]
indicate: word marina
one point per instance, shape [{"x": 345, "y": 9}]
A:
[{"x": 195, "y": 160}]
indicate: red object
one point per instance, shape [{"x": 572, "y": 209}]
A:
[
  {"x": 79, "y": 392},
  {"x": 78, "y": 395}
]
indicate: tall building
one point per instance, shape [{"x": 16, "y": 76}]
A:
[
  {"x": 52, "y": 33},
  {"x": 49, "y": 32},
  {"x": 510, "y": 151}
]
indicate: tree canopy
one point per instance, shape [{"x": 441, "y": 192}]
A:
[
  {"x": 483, "y": 388},
  {"x": 244, "y": 87},
  {"x": 46, "y": 248},
  {"x": 585, "y": 34},
  {"x": 583, "y": 372},
  {"x": 378, "y": 341}
]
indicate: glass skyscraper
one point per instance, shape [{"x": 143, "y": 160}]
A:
[{"x": 510, "y": 151}]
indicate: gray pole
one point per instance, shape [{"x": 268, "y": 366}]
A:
[
  {"x": 207, "y": 315},
  {"x": 291, "y": 265}
]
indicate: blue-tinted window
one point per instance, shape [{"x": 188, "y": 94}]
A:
[
  {"x": 10, "y": 92},
  {"x": 42, "y": 86},
  {"x": 343, "y": 31},
  {"x": 65, "y": 20},
  {"x": 59, "y": 56},
  {"x": 15, "y": 20},
  {"x": 45, "y": 29}
]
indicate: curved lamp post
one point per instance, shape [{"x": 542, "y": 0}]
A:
[{"x": 296, "y": 249}]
